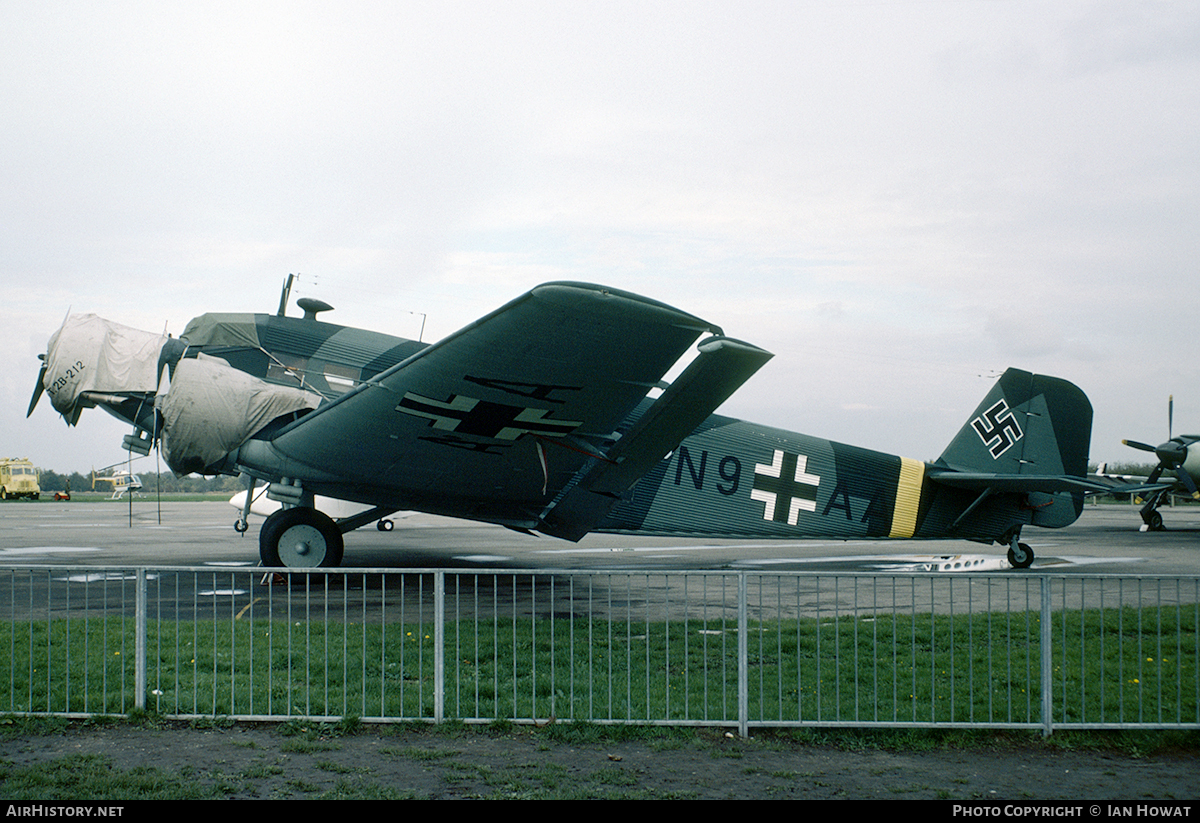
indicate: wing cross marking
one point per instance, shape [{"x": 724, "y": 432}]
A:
[{"x": 482, "y": 418}]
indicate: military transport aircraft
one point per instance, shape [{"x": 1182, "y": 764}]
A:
[
  {"x": 1175, "y": 455},
  {"x": 550, "y": 415}
]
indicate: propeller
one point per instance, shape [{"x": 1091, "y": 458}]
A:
[
  {"x": 40, "y": 387},
  {"x": 1146, "y": 447}
]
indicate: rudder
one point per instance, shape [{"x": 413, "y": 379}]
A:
[{"x": 1027, "y": 424}]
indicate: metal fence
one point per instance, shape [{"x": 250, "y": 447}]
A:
[{"x": 730, "y": 649}]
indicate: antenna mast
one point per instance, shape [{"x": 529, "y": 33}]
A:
[{"x": 283, "y": 298}]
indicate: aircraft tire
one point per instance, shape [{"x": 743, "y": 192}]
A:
[
  {"x": 385, "y": 525},
  {"x": 1155, "y": 521},
  {"x": 1021, "y": 557},
  {"x": 300, "y": 538},
  {"x": 268, "y": 552}
]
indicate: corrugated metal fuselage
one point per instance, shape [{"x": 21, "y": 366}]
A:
[{"x": 740, "y": 479}]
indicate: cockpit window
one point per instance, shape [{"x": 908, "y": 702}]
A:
[{"x": 341, "y": 379}]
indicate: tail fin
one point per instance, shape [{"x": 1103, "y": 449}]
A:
[{"x": 1027, "y": 424}]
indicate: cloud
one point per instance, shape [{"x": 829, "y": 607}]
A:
[{"x": 898, "y": 199}]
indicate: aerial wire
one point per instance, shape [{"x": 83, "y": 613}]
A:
[{"x": 129, "y": 469}]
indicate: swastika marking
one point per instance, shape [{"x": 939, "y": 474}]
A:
[{"x": 998, "y": 428}]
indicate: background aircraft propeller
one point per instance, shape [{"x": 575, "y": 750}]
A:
[{"x": 1172, "y": 454}]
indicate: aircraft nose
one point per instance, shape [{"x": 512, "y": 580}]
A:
[{"x": 89, "y": 357}]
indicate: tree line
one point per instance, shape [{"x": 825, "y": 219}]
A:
[{"x": 52, "y": 481}]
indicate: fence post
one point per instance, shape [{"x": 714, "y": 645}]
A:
[
  {"x": 139, "y": 621},
  {"x": 1047, "y": 674},
  {"x": 439, "y": 646},
  {"x": 743, "y": 695}
]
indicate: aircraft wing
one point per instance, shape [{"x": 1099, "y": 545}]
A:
[{"x": 496, "y": 421}]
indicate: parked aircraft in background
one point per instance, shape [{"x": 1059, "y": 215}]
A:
[
  {"x": 545, "y": 416},
  {"x": 1176, "y": 456}
]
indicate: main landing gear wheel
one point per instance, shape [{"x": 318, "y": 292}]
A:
[
  {"x": 1020, "y": 556},
  {"x": 1154, "y": 521},
  {"x": 300, "y": 538}
]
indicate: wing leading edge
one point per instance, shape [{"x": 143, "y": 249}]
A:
[{"x": 520, "y": 417}]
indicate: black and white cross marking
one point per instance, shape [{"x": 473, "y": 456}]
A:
[
  {"x": 998, "y": 428},
  {"x": 786, "y": 487},
  {"x": 482, "y": 418}
]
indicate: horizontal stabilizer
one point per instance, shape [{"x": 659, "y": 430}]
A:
[
  {"x": 722, "y": 366},
  {"x": 1015, "y": 483},
  {"x": 1117, "y": 487}
]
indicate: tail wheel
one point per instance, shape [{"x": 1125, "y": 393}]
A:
[
  {"x": 1020, "y": 556},
  {"x": 300, "y": 538}
]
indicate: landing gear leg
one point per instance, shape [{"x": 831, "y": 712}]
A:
[
  {"x": 243, "y": 522},
  {"x": 300, "y": 538},
  {"x": 1152, "y": 520}
]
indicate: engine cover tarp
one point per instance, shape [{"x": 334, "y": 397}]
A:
[
  {"x": 212, "y": 408},
  {"x": 91, "y": 354}
]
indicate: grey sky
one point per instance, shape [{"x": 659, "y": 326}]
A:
[{"x": 899, "y": 199}]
